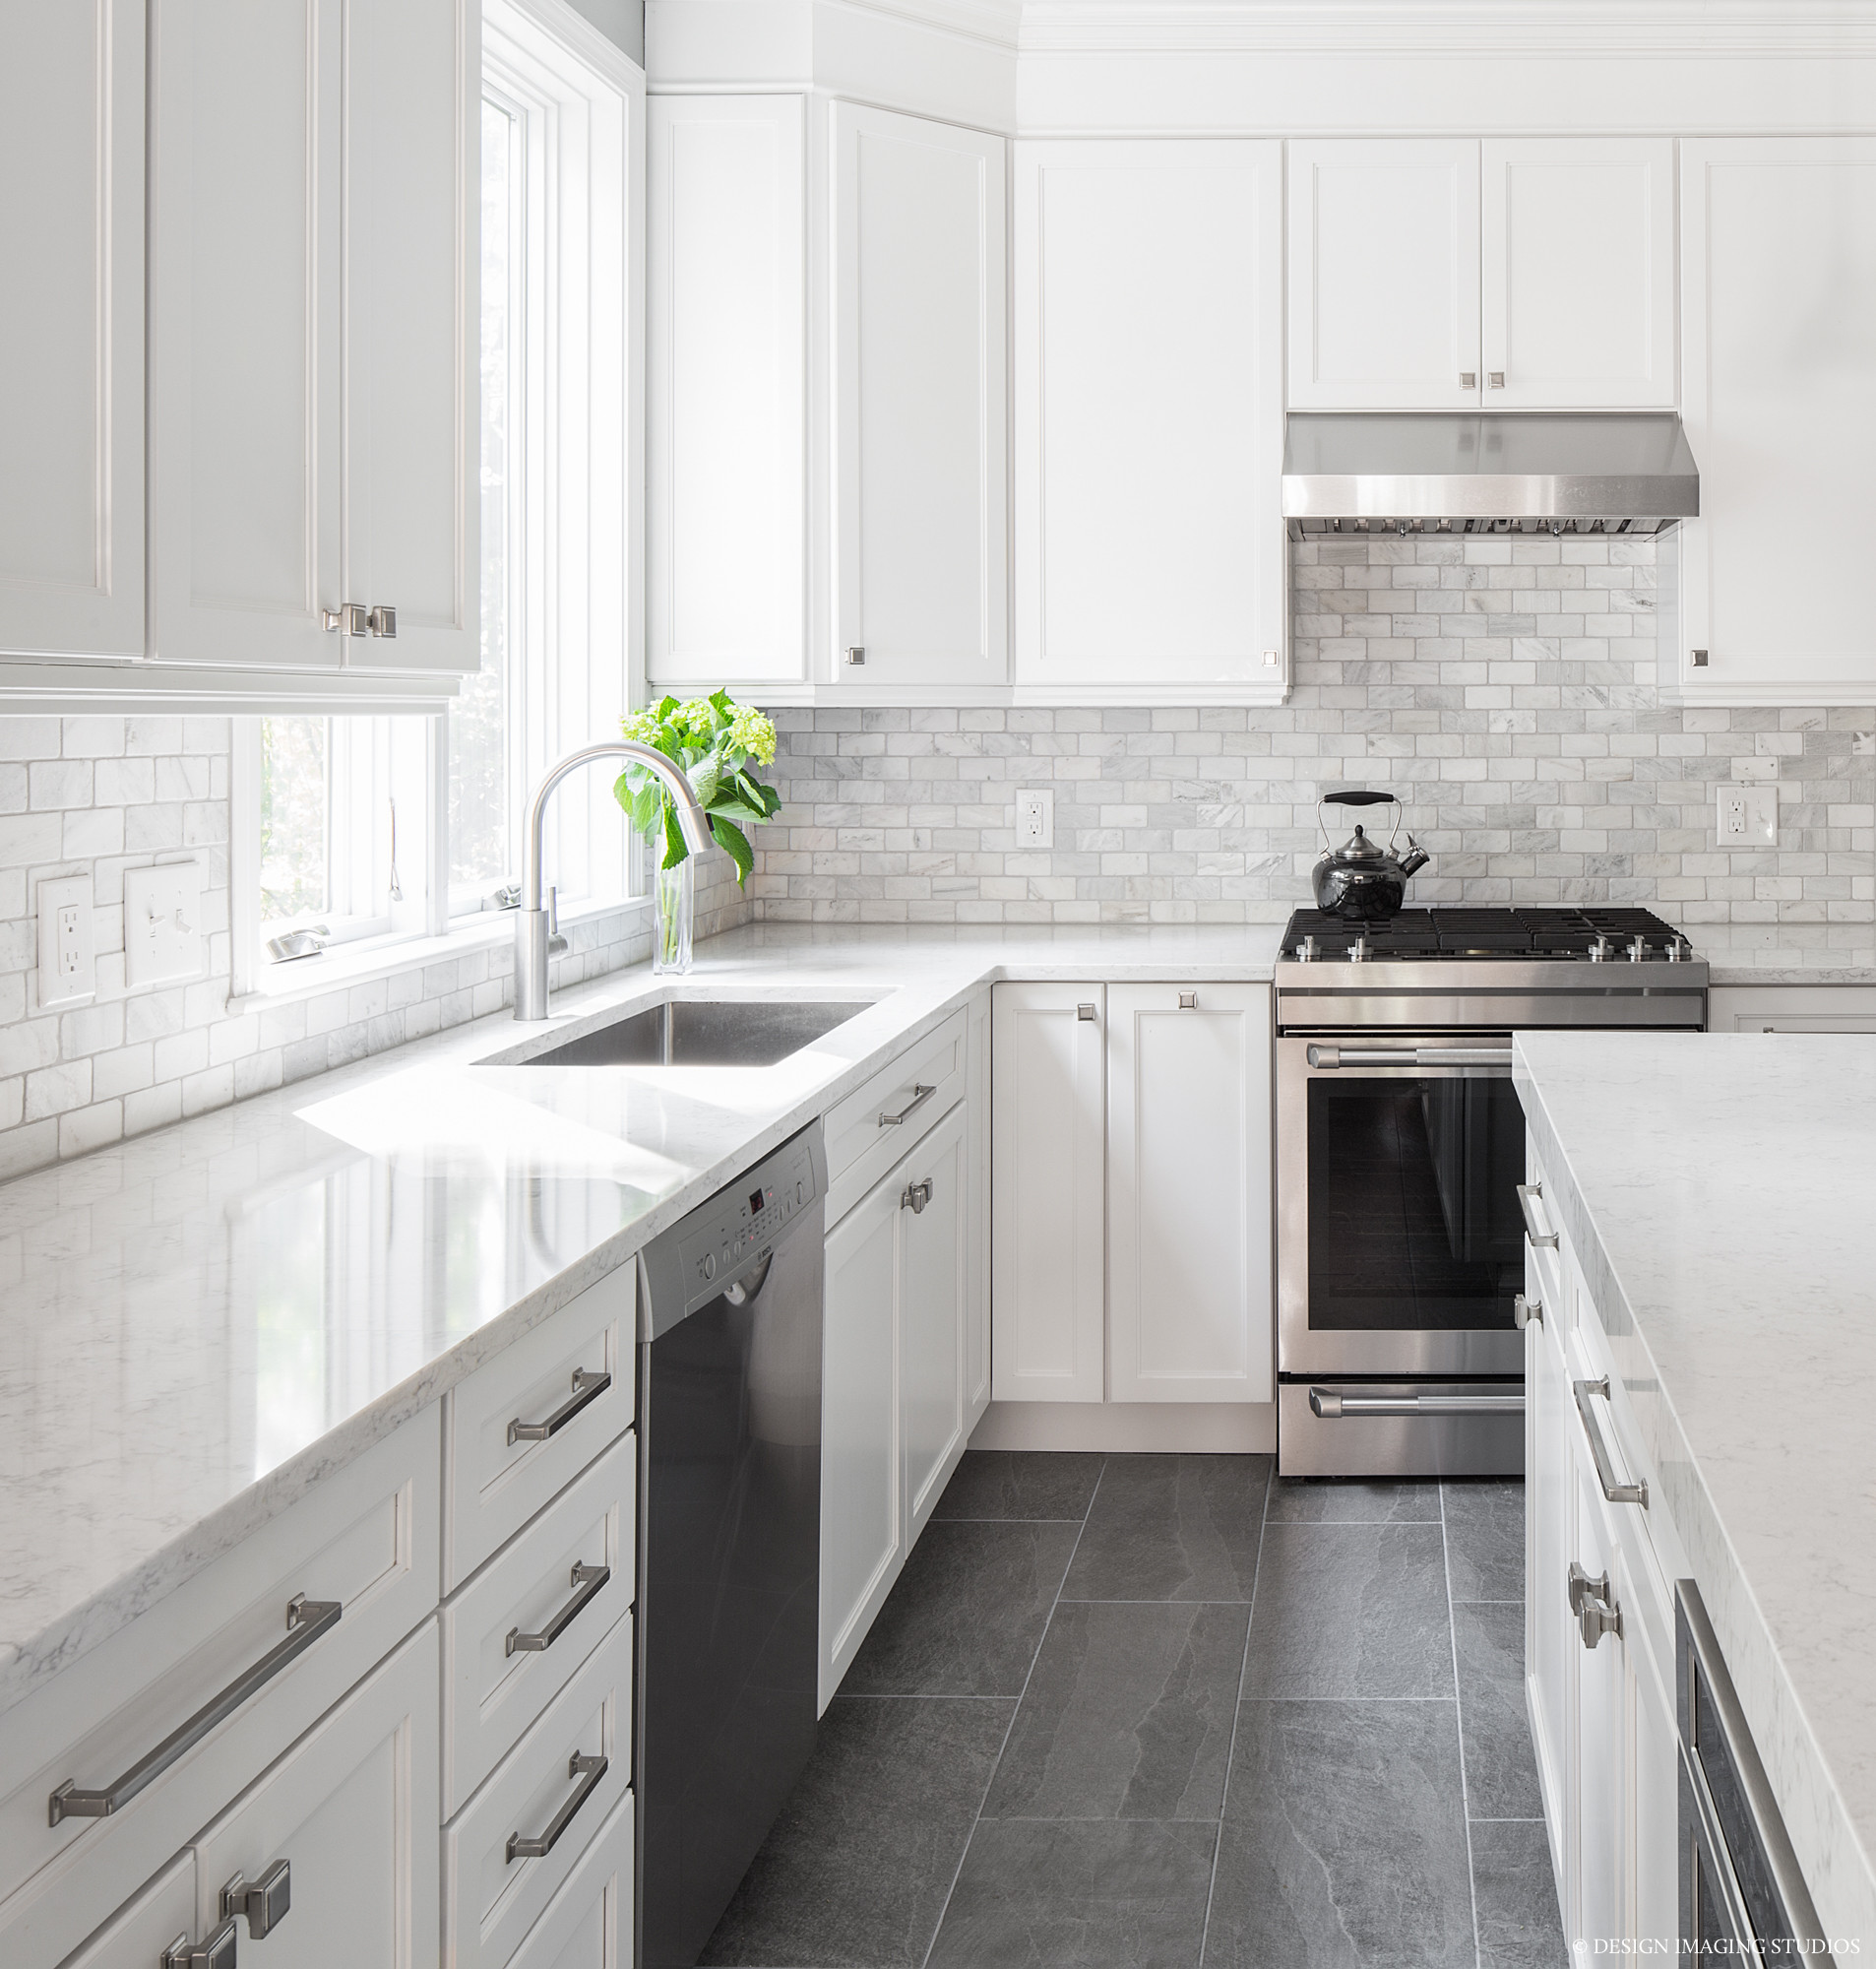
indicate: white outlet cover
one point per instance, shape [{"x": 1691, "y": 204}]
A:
[
  {"x": 1747, "y": 815},
  {"x": 68, "y": 968},
  {"x": 1035, "y": 817},
  {"x": 162, "y": 923}
]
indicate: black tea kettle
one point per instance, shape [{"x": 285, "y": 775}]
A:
[{"x": 1358, "y": 880}]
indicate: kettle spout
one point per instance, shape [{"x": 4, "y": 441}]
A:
[{"x": 1414, "y": 859}]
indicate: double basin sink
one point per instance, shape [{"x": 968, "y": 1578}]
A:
[{"x": 704, "y": 1031}]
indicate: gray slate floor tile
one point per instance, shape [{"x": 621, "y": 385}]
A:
[
  {"x": 1172, "y": 1528},
  {"x": 1351, "y": 1610},
  {"x": 1341, "y": 1500},
  {"x": 856, "y": 1869},
  {"x": 1485, "y": 1538},
  {"x": 1501, "y": 1768},
  {"x": 1343, "y": 1843},
  {"x": 1519, "y": 1926},
  {"x": 1021, "y": 1484},
  {"x": 1086, "y": 1894},
  {"x": 1127, "y": 1715},
  {"x": 967, "y": 1613}
]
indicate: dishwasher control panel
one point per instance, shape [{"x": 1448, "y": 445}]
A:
[{"x": 744, "y": 1220}]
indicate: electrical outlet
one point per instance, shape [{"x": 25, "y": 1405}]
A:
[
  {"x": 1748, "y": 816},
  {"x": 162, "y": 923},
  {"x": 68, "y": 970},
  {"x": 1034, "y": 818}
]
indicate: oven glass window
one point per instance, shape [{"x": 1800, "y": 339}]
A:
[{"x": 1413, "y": 1219}]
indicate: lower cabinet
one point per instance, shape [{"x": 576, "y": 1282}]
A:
[
  {"x": 156, "y": 1921},
  {"x": 1791, "y": 1008},
  {"x": 587, "y": 1924}
]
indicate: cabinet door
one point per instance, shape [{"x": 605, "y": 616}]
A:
[
  {"x": 725, "y": 403},
  {"x": 72, "y": 334},
  {"x": 976, "y": 1343},
  {"x": 588, "y": 1924},
  {"x": 1577, "y": 273},
  {"x": 245, "y": 330},
  {"x": 1652, "y": 1853},
  {"x": 137, "y": 1934},
  {"x": 862, "y": 1522},
  {"x": 1148, "y": 413},
  {"x": 921, "y": 575},
  {"x": 1598, "y": 1816},
  {"x": 1778, "y": 265},
  {"x": 413, "y": 78},
  {"x": 1384, "y": 274},
  {"x": 1550, "y": 1428},
  {"x": 933, "y": 1211},
  {"x": 353, "y": 1809},
  {"x": 1048, "y": 1194},
  {"x": 1189, "y": 1193}
]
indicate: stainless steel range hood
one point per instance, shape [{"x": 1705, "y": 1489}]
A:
[{"x": 1491, "y": 472}]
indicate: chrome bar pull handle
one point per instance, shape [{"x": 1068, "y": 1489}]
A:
[
  {"x": 1530, "y": 1195},
  {"x": 1336, "y": 1404},
  {"x": 591, "y": 1581},
  {"x": 306, "y": 1621},
  {"x": 586, "y": 1388},
  {"x": 920, "y": 1094},
  {"x": 590, "y": 1770},
  {"x": 1526, "y": 1311},
  {"x": 1615, "y": 1490}
]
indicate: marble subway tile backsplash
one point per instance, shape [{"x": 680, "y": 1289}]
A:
[{"x": 1505, "y": 689}]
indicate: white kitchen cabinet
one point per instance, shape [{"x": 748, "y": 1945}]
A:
[
  {"x": 1551, "y": 1631},
  {"x": 1577, "y": 280},
  {"x": 920, "y": 581},
  {"x": 588, "y": 1924},
  {"x": 1778, "y": 270},
  {"x": 1148, "y": 414},
  {"x": 931, "y": 1292},
  {"x": 72, "y": 334},
  {"x": 976, "y": 1344},
  {"x": 1188, "y": 1193},
  {"x": 1385, "y": 217},
  {"x": 1048, "y": 1192},
  {"x": 139, "y": 1932},
  {"x": 312, "y": 323},
  {"x": 1791, "y": 1008},
  {"x": 353, "y": 1808}
]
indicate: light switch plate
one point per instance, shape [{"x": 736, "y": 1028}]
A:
[
  {"x": 68, "y": 968},
  {"x": 1035, "y": 818},
  {"x": 1748, "y": 816},
  {"x": 162, "y": 923}
]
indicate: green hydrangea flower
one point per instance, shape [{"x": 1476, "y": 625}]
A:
[{"x": 715, "y": 740}]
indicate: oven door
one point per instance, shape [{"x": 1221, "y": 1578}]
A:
[{"x": 1399, "y": 1241}]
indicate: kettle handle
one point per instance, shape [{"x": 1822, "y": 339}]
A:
[{"x": 1358, "y": 796}]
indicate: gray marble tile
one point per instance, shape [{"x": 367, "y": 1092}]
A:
[
  {"x": 1351, "y": 1610},
  {"x": 1127, "y": 1715},
  {"x": 1343, "y": 1842},
  {"x": 1339, "y": 1500},
  {"x": 1485, "y": 1538},
  {"x": 967, "y": 1613},
  {"x": 1021, "y": 1484},
  {"x": 1519, "y": 1926},
  {"x": 857, "y": 1867},
  {"x": 1088, "y": 1895},
  {"x": 1501, "y": 1768},
  {"x": 1172, "y": 1528}
]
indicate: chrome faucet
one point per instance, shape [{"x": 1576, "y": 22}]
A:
[{"x": 532, "y": 925}]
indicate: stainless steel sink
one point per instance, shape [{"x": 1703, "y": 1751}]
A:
[{"x": 706, "y": 1032}]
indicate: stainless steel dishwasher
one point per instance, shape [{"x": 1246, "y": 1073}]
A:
[{"x": 729, "y": 1537}]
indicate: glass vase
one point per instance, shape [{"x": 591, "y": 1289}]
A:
[{"x": 671, "y": 918}]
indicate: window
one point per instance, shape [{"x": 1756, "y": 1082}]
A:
[{"x": 374, "y": 827}]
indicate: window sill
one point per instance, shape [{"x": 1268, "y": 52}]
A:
[{"x": 349, "y": 963}]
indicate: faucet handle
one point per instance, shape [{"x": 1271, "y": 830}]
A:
[{"x": 557, "y": 943}]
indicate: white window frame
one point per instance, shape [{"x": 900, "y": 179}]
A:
[{"x": 581, "y": 585}]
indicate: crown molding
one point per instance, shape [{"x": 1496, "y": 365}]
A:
[{"x": 997, "y": 21}]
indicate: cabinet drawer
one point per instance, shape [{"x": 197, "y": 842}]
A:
[
  {"x": 139, "y": 1932},
  {"x": 588, "y": 1922},
  {"x": 500, "y": 1472},
  {"x": 493, "y": 1690},
  {"x": 365, "y": 1537},
  {"x": 490, "y": 1899},
  {"x": 861, "y": 1146}
]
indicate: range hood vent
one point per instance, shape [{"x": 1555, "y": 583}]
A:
[{"x": 1606, "y": 473}]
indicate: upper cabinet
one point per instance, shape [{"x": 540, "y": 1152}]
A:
[
  {"x": 313, "y": 333},
  {"x": 1149, "y": 421},
  {"x": 1530, "y": 274},
  {"x": 1777, "y": 291},
  {"x": 72, "y": 331}
]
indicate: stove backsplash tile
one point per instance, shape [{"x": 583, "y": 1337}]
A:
[{"x": 1505, "y": 690}]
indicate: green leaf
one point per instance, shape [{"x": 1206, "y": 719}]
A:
[
  {"x": 675, "y": 849},
  {"x": 704, "y": 779},
  {"x": 735, "y": 844},
  {"x": 666, "y": 705}
]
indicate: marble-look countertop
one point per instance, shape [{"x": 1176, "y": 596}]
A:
[
  {"x": 1719, "y": 1190},
  {"x": 197, "y": 1323},
  {"x": 1785, "y": 953}
]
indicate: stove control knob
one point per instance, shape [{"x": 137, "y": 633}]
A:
[
  {"x": 1674, "y": 949},
  {"x": 1599, "y": 949},
  {"x": 1306, "y": 951},
  {"x": 1638, "y": 950},
  {"x": 1358, "y": 950}
]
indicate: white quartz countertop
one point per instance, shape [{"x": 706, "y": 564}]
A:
[
  {"x": 1720, "y": 1194},
  {"x": 197, "y": 1323}
]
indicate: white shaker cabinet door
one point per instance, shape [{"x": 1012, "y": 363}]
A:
[
  {"x": 138, "y": 1934},
  {"x": 411, "y": 461},
  {"x": 1189, "y": 1193},
  {"x": 72, "y": 331},
  {"x": 352, "y": 1809},
  {"x": 920, "y": 570},
  {"x": 1550, "y": 1633},
  {"x": 1778, "y": 271},
  {"x": 245, "y": 228},
  {"x": 933, "y": 1213},
  {"x": 1149, "y": 418},
  {"x": 1048, "y": 1193},
  {"x": 1384, "y": 274},
  {"x": 1598, "y": 1816},
  {"x": 976, "y": 1348},
  {"x": 1577, "y": 273}
]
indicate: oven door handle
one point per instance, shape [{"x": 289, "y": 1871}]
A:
[
  {"x": 1322, "y": 1058},
  {"x": 1331, "y": 1405}
]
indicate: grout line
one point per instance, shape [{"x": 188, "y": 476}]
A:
[
  {"x": 1237, "y": 1710},
  {"x": 1459, "y": 1716},
  {"x": 996, "y": 1763},
  {"x": 908, "y": 1695}
]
